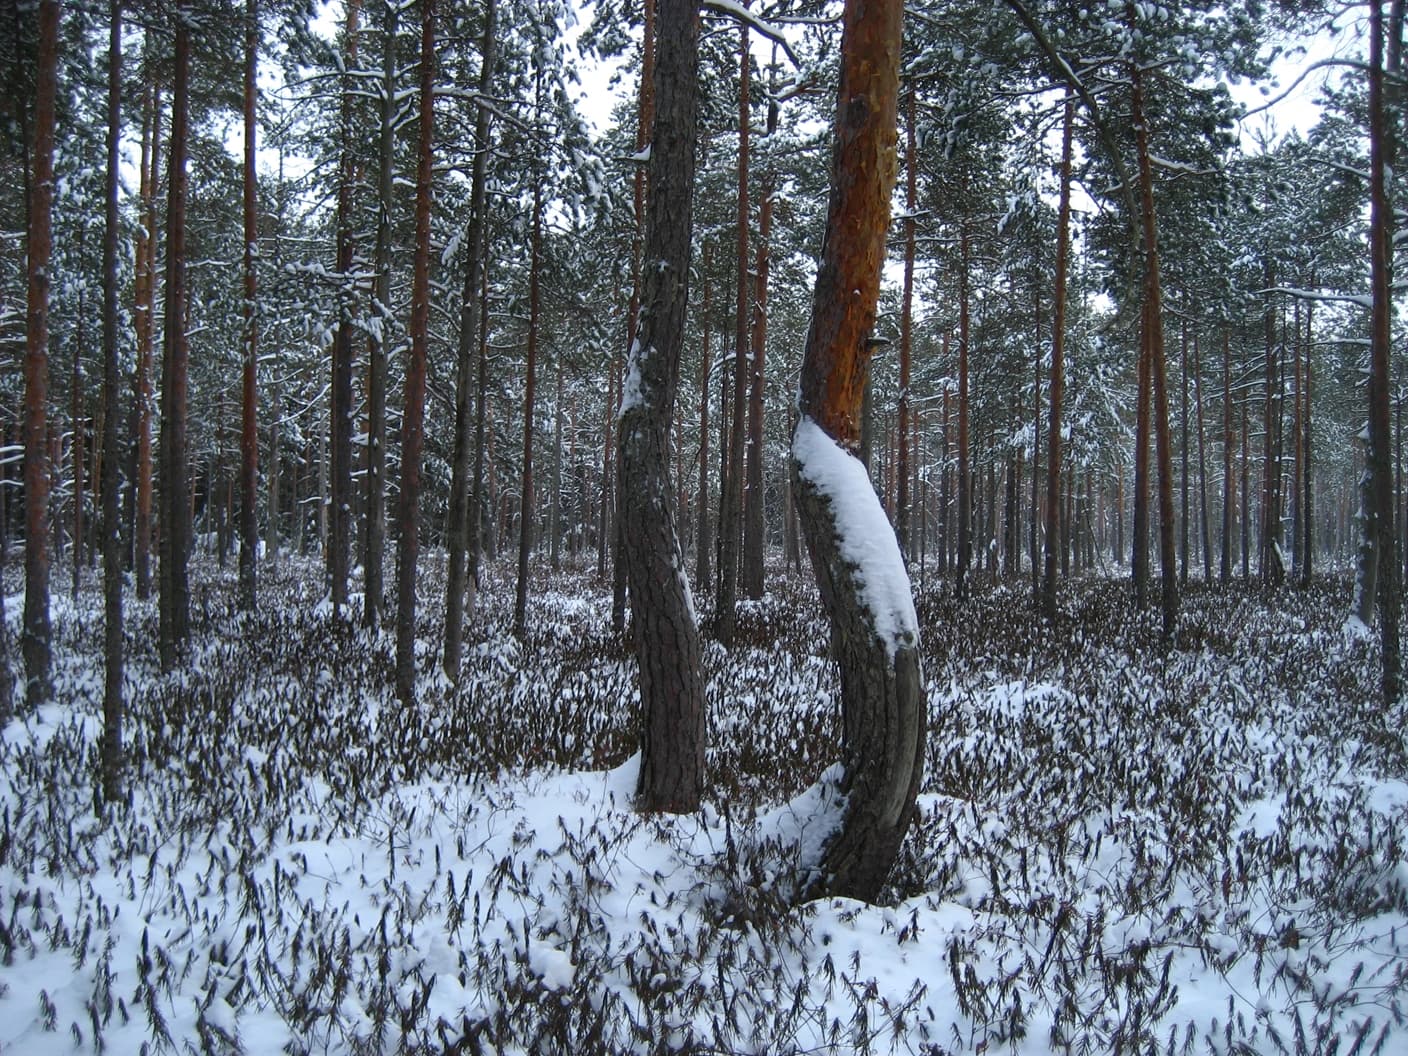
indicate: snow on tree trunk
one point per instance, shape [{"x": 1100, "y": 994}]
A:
[
  {"x": 339, "y": 545},
  {"x": 859, "y": 569},
  {"x": 667, "y": 646}
]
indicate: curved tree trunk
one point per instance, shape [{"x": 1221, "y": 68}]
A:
[{"x": 861, "y": 574}]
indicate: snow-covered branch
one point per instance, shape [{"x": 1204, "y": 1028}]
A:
[{"x": 742, "y": 14}]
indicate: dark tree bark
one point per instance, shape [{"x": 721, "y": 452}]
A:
[
  {"x": 1183, "y": 457},
  {"x": 965, "y": 469},
  {"x": 1307, "y": 492},
  {"x": 413, "y": 418},
  {"x": 143, "y": 396},
  {"x": 667, "y": 638},
  {"x": 374, "y": 535},
  {"x": 1032, "y": 527},
  {"x": 1058, "y": 367},
  {"x": 249, "y": 429},
  {"x": 1152, "y": 342},
  {"x": 112, "y": 763},
  {"x": 1297, "y": 453},
  {"x": 874, "y": 633},
  {"x": 525, "y": 515},
  {"x": 946, "y": 481},
  {"x": 478, "y": 514},
  {"x": 1245, "y": 492},
  {"x": 1203, "y": 516},
  {"x": 704, "y": 541},
  {"x": 754, "y": 527},
  {"x": 35, "y": 641},
  {"x": 76, "y": 448},
  {"x": 1272, "y": 570},
  {"x": 555, "y": 500},
  {"x": 174, "y": 599},
  {"x": 458, "y": 531},
  {"x": 1379, "y": 511},
  {"x": 1228, "y": 481},
  {"x": 911, "y": 203},
  {"x": 339, "y": 541},
  {"x": 645, "y": 121},
  {"x": 1139, "y": 528},
  {"x": 731, "y": 507}
]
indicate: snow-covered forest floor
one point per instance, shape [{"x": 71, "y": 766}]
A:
[{"x": 1118, "y": 850}]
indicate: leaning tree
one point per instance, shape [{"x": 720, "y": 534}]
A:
[{"x": 859, "y": 569}]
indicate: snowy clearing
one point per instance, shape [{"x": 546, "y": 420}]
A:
[{"x": 1116, "y": 849}]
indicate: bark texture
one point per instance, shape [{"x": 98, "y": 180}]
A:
[
  {"x": 731, "y": 503},
  {"x": 113, "y": 658},
  {"x": 911, "y": 203},
  {"x": 458, "y": 529},
  {"x": 249, "y": 434},
  {"x": 413, "y": 419},
  {"x": 1058, "y": 369},
  {"x": 881, "y": 694},
  {"x": 374, "y": 534},
  {"x": 35, "y": 631},
  {"x": 339, "y": 544},
  {"x": 666, "y": 637},
  {"x": 174, "y": 595},
  {"x": 1378, "y": 524}
]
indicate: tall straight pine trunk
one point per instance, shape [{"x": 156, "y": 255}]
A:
[
  {"x": 339, "y": 541},
  {"x": 731, "y": 511},
  {"x": 462, "y": 527},
  {"x": 667, "y": 645},
  {"x": 35, "y": 641},
  {"x": 374, "y": 504},
  {"x": 113, "y": 657},
  {"x": 1378, "y": 521},
  {"x": 1058, "y": 367},
  {"x": 413, "y": 418},
  {"x": 911, "y": 203},
  {"x": 174, "y": 599},
  {"x": 249, "y": 421},
  {"x": 754, "y": 521}
]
